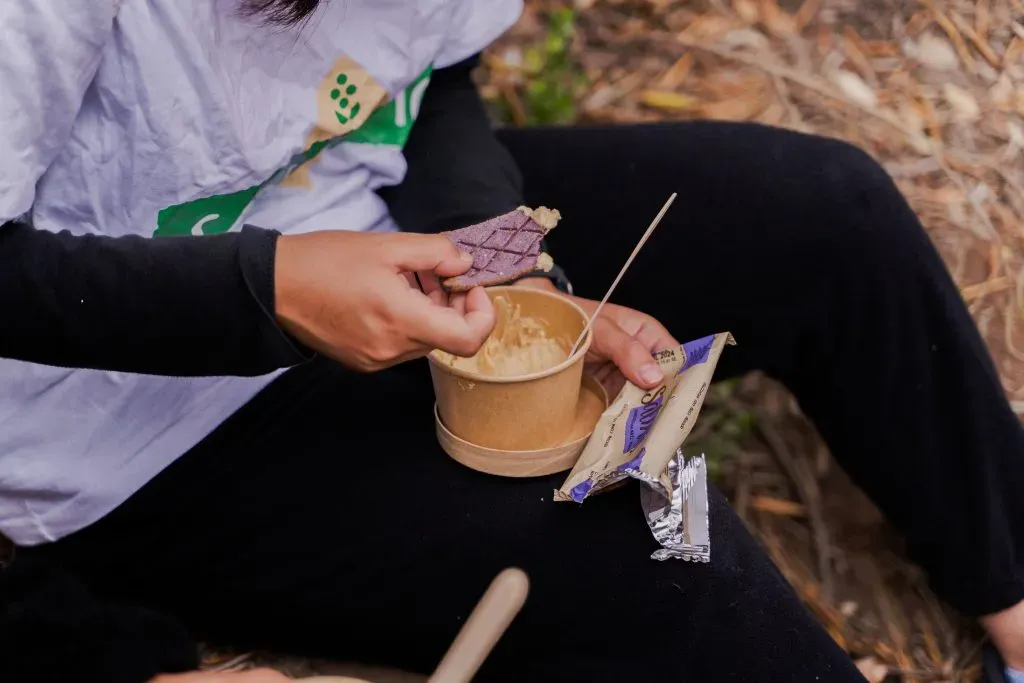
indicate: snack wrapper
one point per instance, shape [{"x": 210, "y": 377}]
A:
[
  {"x": 640, "y": 437},
  {"x": 680, "y": 523}
]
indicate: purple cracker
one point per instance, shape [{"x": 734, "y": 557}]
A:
[{"x": 504, "y": 248}]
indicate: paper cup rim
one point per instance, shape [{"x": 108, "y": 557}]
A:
[{"x": 540, "y": 374}]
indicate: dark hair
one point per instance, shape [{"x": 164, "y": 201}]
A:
[{"x": 285, "y": 12}]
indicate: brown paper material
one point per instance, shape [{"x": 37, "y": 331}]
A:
[
  {"x": 592, "y": 402},
  {"x": 517, "y": 413},
  {"x": 641, "y": 430}
]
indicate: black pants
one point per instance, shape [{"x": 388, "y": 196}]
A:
[{"x": 323, "y": 518}]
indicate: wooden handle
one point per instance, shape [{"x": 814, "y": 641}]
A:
[{"x": 492, "y": 615}]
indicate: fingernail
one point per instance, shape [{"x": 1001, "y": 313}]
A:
[
  {"x": 651, "y": 373},
  {"x": 466, "y": 256}
]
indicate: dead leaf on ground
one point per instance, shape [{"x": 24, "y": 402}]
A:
[
  {"x": 669, "y": 101},
  {"x": 872, "y": 669}
]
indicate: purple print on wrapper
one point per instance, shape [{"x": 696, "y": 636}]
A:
[
  {"x": 639, "y": 422},
  {"x": 580, "y": 490},
  {"x": 697, "y": 352},
  {"x": 634, "y": 463}
]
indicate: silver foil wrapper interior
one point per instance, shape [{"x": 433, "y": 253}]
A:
[{"x": 678, "y": 518}]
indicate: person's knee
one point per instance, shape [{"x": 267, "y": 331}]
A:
[
  {"x": 829, "y": 200},
  {"x": 847, "y": 172},
  {"x": 865, "y": 219}
]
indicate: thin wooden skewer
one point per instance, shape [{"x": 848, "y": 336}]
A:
[
  {"x": 629, "y": 262},
  {"x": 491, "y": 616}
]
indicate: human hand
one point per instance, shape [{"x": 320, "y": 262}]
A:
[
  {"x": 354, "y": 297},
  {"x": 250, "y": 676},
  {"x": 1006, "y": 630},
  {"x": 624, "y": 340}
]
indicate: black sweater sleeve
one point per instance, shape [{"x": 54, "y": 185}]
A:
[
  {"x": 195, "y": 306},
  {"x": 458, "y": 171},
  {"x": 184, "y": 306}
]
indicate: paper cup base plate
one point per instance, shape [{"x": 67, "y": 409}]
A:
[{"x": 592, "y": 402}]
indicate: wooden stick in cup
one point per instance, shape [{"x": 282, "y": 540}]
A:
[
  {"x": 629, "y": 262},
  {"x": 491, "y": 616}
]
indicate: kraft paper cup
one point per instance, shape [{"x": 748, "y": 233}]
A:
[
  {"x": 593, "y": 401},
  {"x": 524, "y": 413}
]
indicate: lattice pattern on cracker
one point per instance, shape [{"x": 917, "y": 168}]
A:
[{"x": 503, "y": 248}]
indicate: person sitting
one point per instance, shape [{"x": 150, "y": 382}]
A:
[{"x": 215, "y": 416}]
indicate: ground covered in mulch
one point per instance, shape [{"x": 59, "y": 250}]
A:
[{"x": 935, "y": 91}]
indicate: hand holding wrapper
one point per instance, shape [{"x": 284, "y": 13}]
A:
[{"x": 640, "y": 436}]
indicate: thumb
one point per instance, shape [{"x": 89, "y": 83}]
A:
[
  {"x": 428, "y": 253},
  {"x": 631, "y": 357},
  {"x": 461, "y": 329}
]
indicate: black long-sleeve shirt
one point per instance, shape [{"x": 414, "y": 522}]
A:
[
  {"x": 142, "y": 305},
  {"x": 194, "y": 306}
]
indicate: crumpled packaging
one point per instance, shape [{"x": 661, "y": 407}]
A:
[{"x": 640, "y": 436}]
